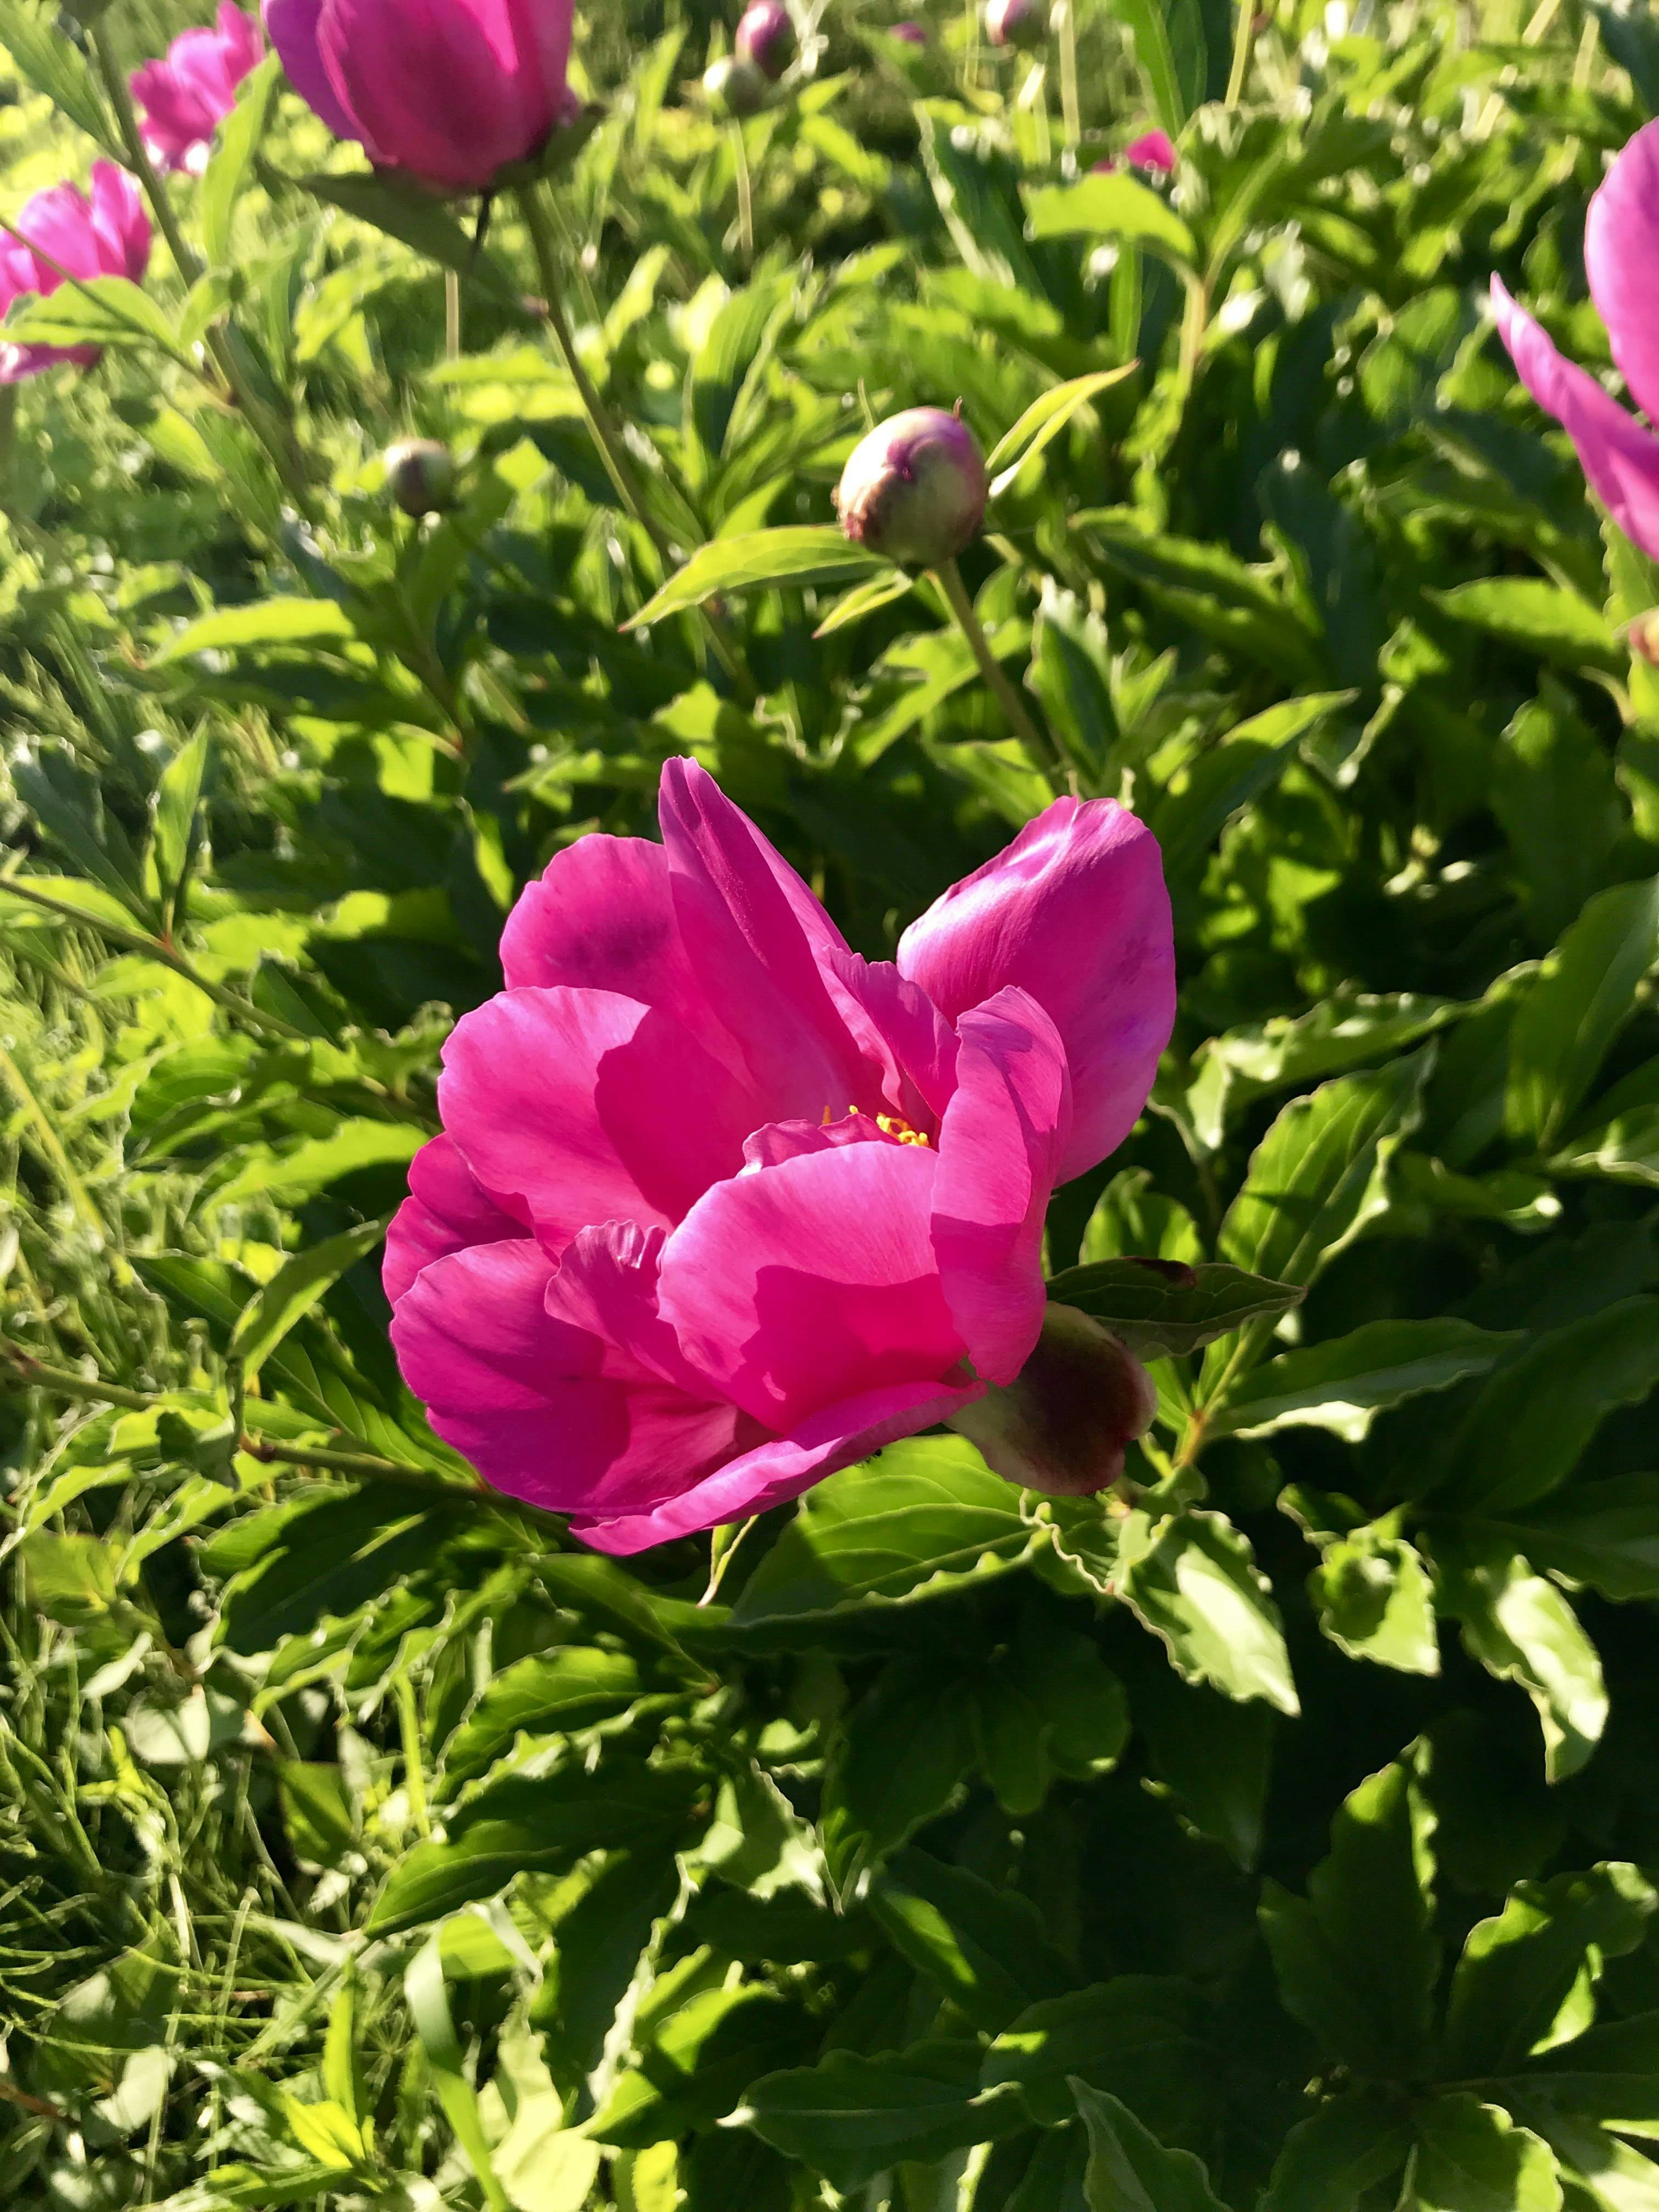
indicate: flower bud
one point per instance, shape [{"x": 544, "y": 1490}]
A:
[
  {"x": 766, "y": 36},
  {"x": 1017, "y": 22},
  {"x": 914, "y": 34},
  {"x": 420, "y": 475},
  {"x": 733, "y": 86},
  {"x": 1643, "y": 637},
  {"x": 915, "y": 490},
  {"x": 1063, "y": 1425}
]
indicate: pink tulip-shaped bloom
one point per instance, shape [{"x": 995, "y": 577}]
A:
[
  {"x": 107, "y": 235},
  {"x": 183, "y": 99},
  {"x": 452, "y": 91},
  {"x": 1618, "y": 456},
  {"x": 720, "y": 1207}
]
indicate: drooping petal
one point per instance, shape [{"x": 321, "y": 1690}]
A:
[
  {"x": 120, "y": 222},
  {"x": 812, "y": 1281},
  {"x": 1618, "y": 456},
  {"x": 1621, "y": 250},
  {"x": 783, "y": 1466},
  {"x": 1064, "y": 1425},
  {"x": 1003, "y": 1135},
  {"x": 584, "y": 1106},
  {"x": 448, "y": 1209},
  {"x": 292, "y": 27},
  {"x": 1075, "y": 912}
]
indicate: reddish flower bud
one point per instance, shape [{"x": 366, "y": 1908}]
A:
[
  {"x": 733, "y": 86},
  {"x": 915, "y": 490},
  {"x": 420, "y": 475},
  {"x": 914, "y": 34},
  {"x": 766, "y": 36},
  {"x": 1643, "y": 637},
  {"x": 1064, "y": 1425},
  {"x": 1017, "y": 22}
]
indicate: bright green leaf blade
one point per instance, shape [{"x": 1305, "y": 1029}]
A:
[
  {"x": 1129, "y": 2170},
  {"x": 1193, "y": 1580},
  {"x": 1584, "y": 996},
  {"x": 1344, "y": 1384},
  {"x": 1116, "y": 206},
  {"x": 795, "y": 555}
]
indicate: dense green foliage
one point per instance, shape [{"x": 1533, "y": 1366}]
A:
[{"x": 1272, "y": 1836}]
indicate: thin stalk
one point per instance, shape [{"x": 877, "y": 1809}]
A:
[
  {"x": 409, "y": 1729},
  {"x": 1044, "y": 754},
  {"x": 745, "y": 195},
  {"x": 28, "y": 1374},
  {"x": 452, "y": 314},
  {"x": 1070, "y": 110},
  {"x": 1244, "y": 40},
  {"x": 614, "y": 453},
  {"x": 53, "y": 1150}
]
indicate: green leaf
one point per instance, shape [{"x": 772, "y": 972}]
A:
[
  {"x": 1129, "y": 2170},
  {"x": 1134, "y": 2037},
  {"x": 1041, "y": 422},
  {"x": 93, "y": 311},
  {"x": 1241, "y": 608},
  {"x": 1158, "y": 1312},
  {"x": 1554, "y": 792},
  {"x": 429, "y": 2008},
  {"x": 1605, "y": 1533},
  {"x": 736, "y": 343},
  {"x": 1471, "y": 2157},
  {"x": 864, "y": 600},
  {"x": 757, "y": 558},
  {"x": 174, "y": 819},
  {"x": 1521, "y": 1629},
  {"x": 1543, "y": 618},
  {"x": 226, "y": 178},
  {"x": 1524, "y": 1983},
  {"x": 1613, "y": 2177},
  {"x": 1344, "y": 1384},
  {"x": 1192, "y": 1580},
  {"x": 1144, "y": 21},
  {"x": 276, "y": 623},
  {"x": 1046, "y": 1705},
  {"x": 1213, "y": 1754},
  {"x": 1331, "y": 2162},
  {"x": 298, "y": 1285},
  {"x": 850, "y": 2118},
  {"x": 1114, "y": 206},
  {"x": 527, "y": 1822},
  {"x": 697, "y": 2064},
  {"x": 567, "y": 1688},
  {"x": 413, "y": 213},
  {"x": 1584, "y": 996},
  {"x": 292, "y": 1177},
  {"x": 925, "y": 1519},
  {"x": 1344, "y": 1031},
  {"x": 986, "y": 1947},
  {"x": 899, "y": 1756},
  {"x": 55, "y": 66},
  {"x": 1610, "y": 2073},
  {"x": 317, "y": 1814},
  {"x": 1357, "y": 1958},
  {"x": 1375, "y": 1600},
  {"x": 1625, "y": 1149}
]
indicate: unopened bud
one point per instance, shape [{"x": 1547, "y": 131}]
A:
[
  {"x": 766, "y": 36},
  {"x": 1643, "y": 637},
  {"x": 914, "y": 34},
  {"x": 1064, "y": 1425},
  {"x": 915, "y": 490},
  {"x": 1017, "y": 22},
  {"x": 733, "y": 86},
  {"x": 420, "y": 475}
]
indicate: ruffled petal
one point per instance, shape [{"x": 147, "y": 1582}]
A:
[
  {"x": 1075, "y": 912},
  {"x": 812, "y": 1282},
  {"x": 787, "y": 1141},
  {"x": 1004, "y": 1136},
  {"x": 1621, "y": 250},
  {"x": 1619, "y": 457},
  {"x": 448, "y": 1209}
]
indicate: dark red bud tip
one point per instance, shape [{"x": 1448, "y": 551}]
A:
[
  {"x": 420, "y": 475},
  {"x": 1017, "y": 22},
  {"x": 1063, "y": 1425},
  {"x": 733, "y": 86},
  {"x": 915, "y": 490},
  {"x": 766, "y": 37}
]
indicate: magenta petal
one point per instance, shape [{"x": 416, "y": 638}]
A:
[
  {"x": 1075, "y": 912},
  {"x": 920, "y": 1043},
  {"x": 787, "y": 1141},
  {"x": 1004, "y": 1134},
  {"x": 448, "y": 1209},
  {"x": 1619, "y": 457},
  {"x": 585, "y": 1106},
  {"x": 293, "y": 26},
  {"x": 812, "y": 1282},
  {"x": 606, "y": 1286},
  {"x": 781, "y": 1468},
  {"x": 438, "y": 85},
  {"x": 1621, "y": 249}
]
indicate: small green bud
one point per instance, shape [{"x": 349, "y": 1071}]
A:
[
  {"x": 733, "y": 86},
  {"x": 915, "y": 490},
  {"x": 420, "y": 475}
]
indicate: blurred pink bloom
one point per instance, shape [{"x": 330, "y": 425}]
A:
[
  {"x": 107, "y": 235},
  {"x": 454, "y": 91},
  {"x": 1621, "y": 241},
  {"x": 913, "y": 34},
  {"x": 1154, "y": 149},
  {"x": 720, "y": 1207},
  {"x": 183, "y": 99}
]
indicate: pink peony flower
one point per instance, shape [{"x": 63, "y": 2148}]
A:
[
  {"x": 720, "y": 1207},
  {"x": 1153, "y": 150},
  {"x": 766, "y": 36},
  {"x": 1618, "y": 456},
  {"x": 107, "y": 235},
  {"x": 183, "y": 99},
  {"x": 453, "y": 91}
]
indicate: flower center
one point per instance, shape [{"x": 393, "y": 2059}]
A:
[{"x": 891, "y": 1125}]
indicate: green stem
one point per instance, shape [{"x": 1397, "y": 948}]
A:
[
  {"x": 1044, "y": 754},
  {"x": 745, "y": 195},
  {"x": 28, "y": 1374},
  {"x": 1071, "y": 111},
  {"x": 1244, "y": 40}
]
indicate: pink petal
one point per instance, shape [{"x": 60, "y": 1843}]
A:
[
  {"x": 292, "y": 27},
  {"x": 1621, "y": 248},
  {"x": 439, "y": 87},
  {"x": 1154, "y": 149},
  {"x": 120, "y": 222},
  {"x": 582, "y": 1106},
  {"x": 1619, "y": 457},
  {"x": 787, "y": 1141},
  {"x": 780, "y": 1469},
  {"x": 1075, "y": 912},
  {"x": 920, "y": 1043},
  {"x": 812, "y": 1281},
  {"x": 606, "y": 1286},
  {"x": 1004, "y": 1134},
  {"x": 58, "y": 222},
  {"x": 448, "y": 1209}
]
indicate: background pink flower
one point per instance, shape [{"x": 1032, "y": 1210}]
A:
[
  {"x": 720, "y": 1207},
  {"x": 183, "y": 98},
  {"x": 452, "y": 90},
  {"x": 1618, "y": 456},
  {"x": 107, "y": 235}
]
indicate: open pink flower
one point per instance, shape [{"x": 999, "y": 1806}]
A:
[
  {"x": 107, "y": 235},
  {"x": 453, "y": 91},
  {"x": 183, "y": 99},
  {"x": 1618, "y": 456},
  {"x": 1154, "y": 150},
  {"x": 720, "y": 1207}
]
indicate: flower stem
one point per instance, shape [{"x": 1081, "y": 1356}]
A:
[
  {"x": 745, "y": 194},
  {"x": 1244, "y": 40},
  {"x": 1070, "y": 110},
  {"x": 1044, "y": 754},
  {"x": 607, "y": 436}
]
